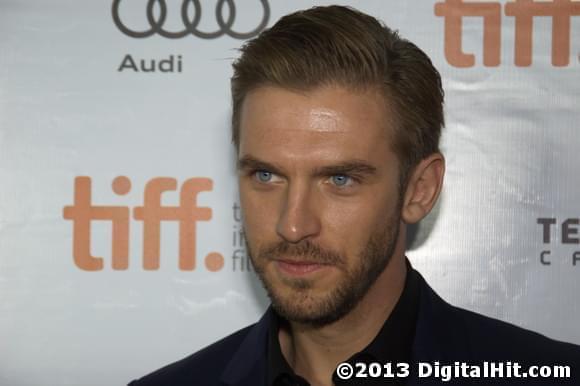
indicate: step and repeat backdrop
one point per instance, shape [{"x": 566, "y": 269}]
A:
[{"x": 121, "y": 246}]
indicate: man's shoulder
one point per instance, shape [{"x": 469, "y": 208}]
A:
[
  {"x": 493, "y": 337},
  {"x": 448, "y": 335},
  {"x": 470, "y": 335},
  {"x": 202, "y": 367}
]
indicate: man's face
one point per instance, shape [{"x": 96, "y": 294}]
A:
[{"x": 319, "y": 189}]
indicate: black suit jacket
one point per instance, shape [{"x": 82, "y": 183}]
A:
[{"x": 444, "y": 333}]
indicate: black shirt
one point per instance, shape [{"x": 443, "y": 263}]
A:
[{"x": 392, "y": 344}]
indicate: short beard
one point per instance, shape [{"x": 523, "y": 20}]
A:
[{"x": 372, "y": 261}]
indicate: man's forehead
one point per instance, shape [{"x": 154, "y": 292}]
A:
[
  {"x": 325, "y": 119},
  {"x": 312, "y": 149},
  {"x": 315, "y": 130},
  {"x": 317, "y": 118}
]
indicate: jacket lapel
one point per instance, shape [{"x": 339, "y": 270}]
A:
[
  {"x": 440, "y": 333},
  {"x": 248, "y": 365}
]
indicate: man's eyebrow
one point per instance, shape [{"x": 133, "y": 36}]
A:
[
  {"x": 348, "y": 167},
  {"x": 249, "y": 162}
]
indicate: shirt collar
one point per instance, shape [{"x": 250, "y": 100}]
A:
[{"x": 393, "y": 342}]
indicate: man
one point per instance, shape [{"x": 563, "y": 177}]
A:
[{"x": 336, "y": 121}]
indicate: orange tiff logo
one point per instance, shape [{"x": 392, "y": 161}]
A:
[
  {"x": 523, "y": 11},
  {"x": 82, "y": 213}
]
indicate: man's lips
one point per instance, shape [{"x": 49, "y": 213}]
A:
[{"x": 299, "y": 268}]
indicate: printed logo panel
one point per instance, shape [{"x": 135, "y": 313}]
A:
[
  {"x": 191, "y": 12},
  {"x": 565, "y": 232},
  {"x": 524, "y": 13},
  {"x": 151, "y": 214}
]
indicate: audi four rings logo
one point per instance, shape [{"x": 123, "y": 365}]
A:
[{"x": 191, "y": 24}]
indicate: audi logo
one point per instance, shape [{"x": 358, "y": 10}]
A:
[{"x": 191, "y": 24}]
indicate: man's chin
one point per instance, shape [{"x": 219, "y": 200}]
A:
[
  {"x": 307, "y": 307},
  {"x": 308, "y": 317},
  {"x": 299, "y": 313},
  {"x": 315, "y": 300}
]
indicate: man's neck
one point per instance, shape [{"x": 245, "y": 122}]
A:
[{"x": 314, "y": 352}]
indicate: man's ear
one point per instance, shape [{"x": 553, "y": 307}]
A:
[{"x": 423, "y": 188}]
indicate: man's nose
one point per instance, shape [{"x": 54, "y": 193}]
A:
[{"x": 299, "y": 218}]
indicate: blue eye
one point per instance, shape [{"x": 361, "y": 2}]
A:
[
  {"x": 340, "y": 180},
  {"x": 264, "y": 176}
]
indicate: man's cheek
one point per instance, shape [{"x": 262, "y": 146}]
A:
[{"x": 263, "y": 213}]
